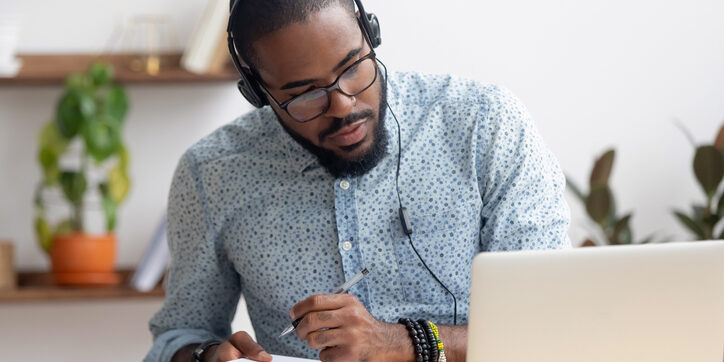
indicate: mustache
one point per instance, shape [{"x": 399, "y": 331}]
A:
[{"x": 339, "y": 123}]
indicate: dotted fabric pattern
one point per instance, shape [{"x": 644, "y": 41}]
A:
[{"x": 252, "y": 212}]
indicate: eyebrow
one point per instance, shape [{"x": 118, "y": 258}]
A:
[{"x": 304, "y": 82}]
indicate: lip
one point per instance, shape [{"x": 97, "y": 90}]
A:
[{"x": 351, "y": 134}]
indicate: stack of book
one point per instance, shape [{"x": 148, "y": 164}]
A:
[{"x": 207, "y": 50}]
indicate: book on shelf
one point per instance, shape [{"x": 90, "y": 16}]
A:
[
  {"x": 221, "y": 58},
  {"x": 154, "y": 261},
  {"x": 207, "y": 50}
]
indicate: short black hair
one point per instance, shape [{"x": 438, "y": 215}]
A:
[{"x": 255, "y": 18}]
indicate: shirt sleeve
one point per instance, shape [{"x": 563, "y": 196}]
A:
[
  {"x": 520, "y": 179},
  {"x": 202, "y": 286}
]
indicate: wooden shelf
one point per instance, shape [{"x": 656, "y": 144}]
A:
[
  {"x": 52, "y": 69},
  {"x": 39, "y": 286}
]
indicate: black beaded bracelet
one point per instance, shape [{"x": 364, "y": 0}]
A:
[
  {"x": 431, "y": 340},
  {"x": 419, "y": 339},
  {"x": 425, "y": 346}
]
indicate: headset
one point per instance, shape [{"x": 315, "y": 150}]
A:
[
  {"x": 249, "y": 86},
  {"x": 251, "y": 90}
]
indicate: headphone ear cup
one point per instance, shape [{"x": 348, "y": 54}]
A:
[
  {"x": 251, "y": 93},
  {"x": 373, "y": 24}
]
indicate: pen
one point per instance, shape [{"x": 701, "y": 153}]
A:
[{"x": 340, "y": 289}]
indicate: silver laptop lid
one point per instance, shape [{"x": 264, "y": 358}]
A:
[{"x": 658, "y": 303}]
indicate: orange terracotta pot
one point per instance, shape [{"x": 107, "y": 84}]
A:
[{"x": 83, "y": 259}]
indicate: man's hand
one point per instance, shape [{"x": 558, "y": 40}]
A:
[
  {"x": 344, "y": 330},
  {"x": 239, "y": 345}
]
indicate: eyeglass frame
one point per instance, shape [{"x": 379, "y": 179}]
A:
[{"x": 328, "y": 89}]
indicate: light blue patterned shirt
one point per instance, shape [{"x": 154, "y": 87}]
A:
[{"x": 252, "y": 212}]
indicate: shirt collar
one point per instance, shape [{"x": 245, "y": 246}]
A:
[{"x": 298, "y": 157}]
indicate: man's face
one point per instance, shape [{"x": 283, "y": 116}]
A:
[{"x": 313, "y": 54}]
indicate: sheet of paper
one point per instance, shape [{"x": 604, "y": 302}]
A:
[{"x": 276, "y": 358}]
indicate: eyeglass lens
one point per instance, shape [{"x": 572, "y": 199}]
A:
[{"x": 352, "y": 82}]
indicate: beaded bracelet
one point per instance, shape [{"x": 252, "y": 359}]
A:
[
  {"x": 419, "y": 340},
  {"x": 425, "y": 346},
  {"x": 431, "y": 340},
  {"x": 440, "y": 346}
]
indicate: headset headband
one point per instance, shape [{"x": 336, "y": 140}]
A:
[{"x": 249, "y": 86}]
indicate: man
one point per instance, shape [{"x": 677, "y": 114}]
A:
[{"x": 287, "y": 202}]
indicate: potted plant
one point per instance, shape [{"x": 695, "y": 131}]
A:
[
  {"x": 610, "y": 228},
  {"x": 709, "y": 171},
  {"x": 82, "y": 155}
]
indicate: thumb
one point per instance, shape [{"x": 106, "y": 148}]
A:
[{"x": 261, "y": 356}]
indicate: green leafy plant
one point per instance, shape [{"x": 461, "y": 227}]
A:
[
  {"x": 91, "y": 112},
  {"x": 601, "y": 206},
  {"x": 709, "y": 171}
]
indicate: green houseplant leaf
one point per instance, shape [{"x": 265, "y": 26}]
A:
[
  {"x": 598, "y": 203},
  {"x": 51, "y": 139},
  {"x": 602, "y": 169},
  {"x": 78, "y": 81},
  {"x": 49, "y": 162},
  {"x": 110, "y": 207},
  {"x": 44, "y": 234},
  {"x": 102, "y": 137},
  {"x": 73, "y": 185},
  {"x": 100, "y": 73},
  {"x": 123, "y": 158},
  {"x": 116, "y": 103},
  {"x": 52, "y": 145},
  {"x": 708, "y": 168},
  {"x": 620, "y": 226},
  {"x": 118, "y": 184},
  {"x": 75, "y": 108},
  {"x": 720, "y": 206},
  {"x": 690, "y": 224}
]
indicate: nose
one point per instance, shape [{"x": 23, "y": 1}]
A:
[{"x": 340, "y": 105}]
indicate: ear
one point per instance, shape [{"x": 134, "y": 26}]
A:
[{"x": 246, "y": 68}]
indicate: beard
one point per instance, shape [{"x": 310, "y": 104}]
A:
[{"x": 350, "y": 167}]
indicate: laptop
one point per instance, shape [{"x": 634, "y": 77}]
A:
[{"x": 639, "y": 303}]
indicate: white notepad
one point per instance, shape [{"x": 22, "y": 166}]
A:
[{"x": 276, "y": 358}]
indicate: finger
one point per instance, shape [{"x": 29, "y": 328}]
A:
[
  {"x": 248, "y": 348},
  {"x": 226, "y": 352},
  {"x": 330, "y": 354},
  {"x": 325, "y": 338},
  {"x": 314, "y": 321},
  {"x": 319, "y": 302}
]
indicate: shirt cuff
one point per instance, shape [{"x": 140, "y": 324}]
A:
[{"x": 166, "y": 344}]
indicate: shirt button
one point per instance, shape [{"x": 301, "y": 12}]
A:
[
  {"x": 346, "y": 245},
  {"x": 344, "y": 184}
]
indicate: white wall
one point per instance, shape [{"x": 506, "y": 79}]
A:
[{"x": 593, "y": 74}]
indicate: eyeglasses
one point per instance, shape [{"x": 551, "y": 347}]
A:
[{"x": 354, "y": 80}]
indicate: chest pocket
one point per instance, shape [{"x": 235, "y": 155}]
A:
[{"x": 447, "y": 240}]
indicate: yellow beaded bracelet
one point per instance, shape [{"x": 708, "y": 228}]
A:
[{"x": 440, "y": 346}]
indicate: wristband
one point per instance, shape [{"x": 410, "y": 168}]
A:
[{"x": 198, "y": 354}]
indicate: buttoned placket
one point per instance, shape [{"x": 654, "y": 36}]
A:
[{"x": 346, "y": 217}]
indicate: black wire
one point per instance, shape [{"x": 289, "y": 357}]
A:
[{"x": 399, "y": 199}]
